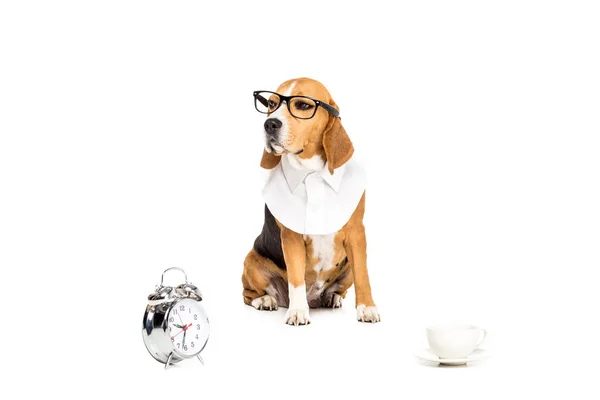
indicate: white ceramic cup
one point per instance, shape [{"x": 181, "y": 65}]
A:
[{"x": 454, "y": 340}]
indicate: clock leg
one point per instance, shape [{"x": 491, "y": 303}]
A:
[
  {"x": 168, "y": 361},
  {"x": 200, "y": 358}
]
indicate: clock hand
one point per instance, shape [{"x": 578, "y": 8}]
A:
[
  {"x": 183, "y": 329},
  {"x": 178, "y": 333},
  {"x": 178, "y": 326}
]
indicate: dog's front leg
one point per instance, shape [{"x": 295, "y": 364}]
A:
[
  {"x": 294, "y": 253},
  {"x": 356, "y": 248}
]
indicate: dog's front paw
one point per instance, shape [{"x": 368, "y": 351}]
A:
[
  {"x": 297, "y": 316},
  {"x": 367, "y": 314},
  {"x": 266, "y": 302}
]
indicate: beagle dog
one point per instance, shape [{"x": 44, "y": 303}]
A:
[{"x": 312, "y": 247}]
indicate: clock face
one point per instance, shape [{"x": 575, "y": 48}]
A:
[{"x": 188, "y": 327}]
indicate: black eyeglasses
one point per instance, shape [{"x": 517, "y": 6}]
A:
[{"x": 300, "y": 107}]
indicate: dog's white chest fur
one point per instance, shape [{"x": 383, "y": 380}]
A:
[{"x": 323, "y": 251}]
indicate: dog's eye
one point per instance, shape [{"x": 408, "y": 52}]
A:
[
  {"x": 272, "y": 104},
  {"x": 300, "y": 105}
]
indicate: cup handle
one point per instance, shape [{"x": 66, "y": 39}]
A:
[{"x": 482, "y": 337}]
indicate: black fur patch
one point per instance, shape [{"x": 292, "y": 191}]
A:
[{"x": 268, "y": 243}]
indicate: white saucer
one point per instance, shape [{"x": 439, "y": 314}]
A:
[{"x": 428, "y": 355}]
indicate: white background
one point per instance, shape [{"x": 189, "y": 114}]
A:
[{"x": 129, "y": 144}]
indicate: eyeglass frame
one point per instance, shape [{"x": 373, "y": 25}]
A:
[{"x": 327, "y": 107}]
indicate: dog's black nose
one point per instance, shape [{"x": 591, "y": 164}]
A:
[{"x": 272, "y": 125}]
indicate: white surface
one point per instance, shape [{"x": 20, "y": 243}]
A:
[{"x": 129, "y": 143}]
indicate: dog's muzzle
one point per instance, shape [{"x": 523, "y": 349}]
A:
[{"x": 272, "y": 129}]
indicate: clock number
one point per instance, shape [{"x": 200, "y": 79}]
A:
[
  {"x": 193, "y": 345},
  {"x": 182, "y": 308},
  {"x": 198, "y": 326},
  {"x": 190, "y": 310},
  {"x": 175, "y": 311},
  {"x": 178, "y": 345},
  {"x": 171, "y": 319},
  {"x": 185, "y": 348},
  {"x": 196, "y": 336},
  {"x": 195, "y": 316}
]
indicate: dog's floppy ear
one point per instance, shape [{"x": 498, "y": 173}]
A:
[
  {"x": 337, "y": 144},
  {"x": 269, "y": 160}
]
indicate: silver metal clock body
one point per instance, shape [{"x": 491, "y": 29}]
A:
[{"x": 163, "y": 323}]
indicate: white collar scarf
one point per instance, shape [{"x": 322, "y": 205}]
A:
[{"x": 314, "y": 202}]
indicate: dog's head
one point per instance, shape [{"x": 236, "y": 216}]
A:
[{"x": 303, "y": 120}]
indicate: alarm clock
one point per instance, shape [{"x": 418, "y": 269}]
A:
[{"x": 175, "y": 325}]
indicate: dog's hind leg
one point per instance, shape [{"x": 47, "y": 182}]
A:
[
  {"x": 336, "y": 291},
  {"x": 259, "y": 280}
]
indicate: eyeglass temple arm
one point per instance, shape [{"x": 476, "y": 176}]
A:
[
  {"x": 262, "y": 100},
  {"x": 333, "y": 111}
]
